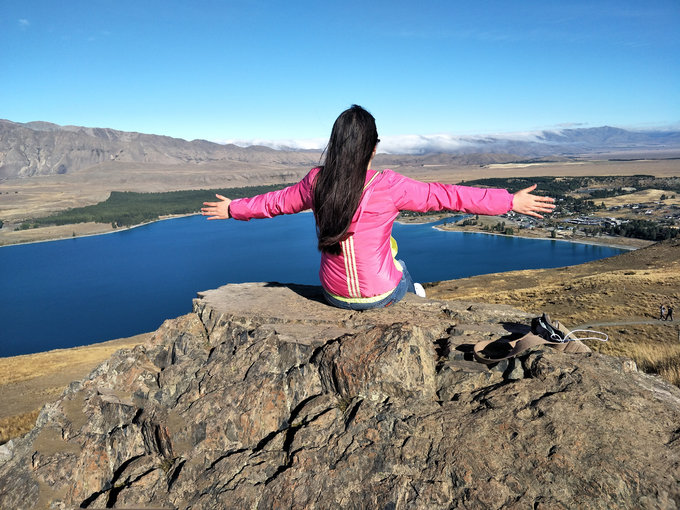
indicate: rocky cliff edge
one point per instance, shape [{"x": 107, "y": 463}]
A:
[{"x": 264, "y": 397}]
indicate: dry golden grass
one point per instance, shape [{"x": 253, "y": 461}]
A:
[
  {"x": 646, "y": 196},
  {"x": 28, "y": 382},
  {"x": 52, "y": 232},
  {"x": 15, "y": 426},
  {"x": 660, "y": 358},
  {"x": 23, "y": 368},
  {"x": 655, "y": 348}
]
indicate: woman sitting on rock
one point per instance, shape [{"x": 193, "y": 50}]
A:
[{"x": 355, "y": 207}]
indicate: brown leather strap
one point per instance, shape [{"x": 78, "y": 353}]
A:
[{"x": 493, "y": 351}]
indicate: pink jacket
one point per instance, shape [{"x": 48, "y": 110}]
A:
[{"x": 366, "y": 269}]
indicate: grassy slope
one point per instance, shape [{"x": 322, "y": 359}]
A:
[
  {"x": 28, "y": 382},
  {"x": 626, "y": 290}
]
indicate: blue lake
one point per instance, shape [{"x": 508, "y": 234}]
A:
[{"x": 84, "y": 290}]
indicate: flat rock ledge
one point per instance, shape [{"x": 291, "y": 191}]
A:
[{"x": 264, "y": 397}]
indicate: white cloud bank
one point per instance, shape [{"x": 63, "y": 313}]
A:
[
  {"x": 288, "y": 144},
  {"x": 521, "y": 142},
  {"x": 397, "y": 144}
]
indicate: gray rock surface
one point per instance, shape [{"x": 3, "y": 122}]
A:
[{"x": 264, "y": 397}]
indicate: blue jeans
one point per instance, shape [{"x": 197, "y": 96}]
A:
[{"x": 405, "y": 285}]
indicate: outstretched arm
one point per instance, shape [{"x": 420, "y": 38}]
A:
[
  {"x": 217, "y": 210},
  {"x": 524, "y": 202}
]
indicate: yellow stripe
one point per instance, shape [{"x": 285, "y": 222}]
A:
[
  {"x": 351, "y": 273},
  {"x": 353, "y": 268},
  {"x": 371, "y": 180},
  {"x": 371, "y": 299},
  {"x": 348, "y": 268},
  {"x": 345, "y": 257}
]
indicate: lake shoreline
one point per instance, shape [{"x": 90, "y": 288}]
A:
[
  {"x": 49, "y": 232},
  {"x": 624, "y": 243},
  {"x": 608, "y": 242}
]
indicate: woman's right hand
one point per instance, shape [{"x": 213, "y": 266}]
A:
[{"x": 217, "y": 210}]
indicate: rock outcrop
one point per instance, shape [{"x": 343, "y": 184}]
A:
[{"x": 264, "y": 397}]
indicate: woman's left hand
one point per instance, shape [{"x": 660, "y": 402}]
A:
[
  {"x": 531, "y": 205},
  {"x": 217, "y": 210}
]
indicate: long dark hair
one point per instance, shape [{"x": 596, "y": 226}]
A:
[{"x": 340, "y": 182}]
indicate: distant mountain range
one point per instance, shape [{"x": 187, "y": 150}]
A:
[
  {"x": 42, "y": 148},
  {"x": 563, "y": 142}
]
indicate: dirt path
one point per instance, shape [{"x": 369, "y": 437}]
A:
[{"x": 632, "y": 322}]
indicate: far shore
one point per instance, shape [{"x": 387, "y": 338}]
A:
[
  {"x": 624, "y": 243},
  {"x": 59, "y": 232}
]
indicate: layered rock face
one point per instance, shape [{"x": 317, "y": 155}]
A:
[{"x": 264, "y": 397}]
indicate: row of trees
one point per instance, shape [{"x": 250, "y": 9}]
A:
[
  {"x": 643, "y": 229},
  {"x": 598, "y": 186},
  {"x": 502, "y": 228},
  {"x": 127, "y": 208}
]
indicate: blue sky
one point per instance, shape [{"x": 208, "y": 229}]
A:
[{"x": 284, "y": 70}]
